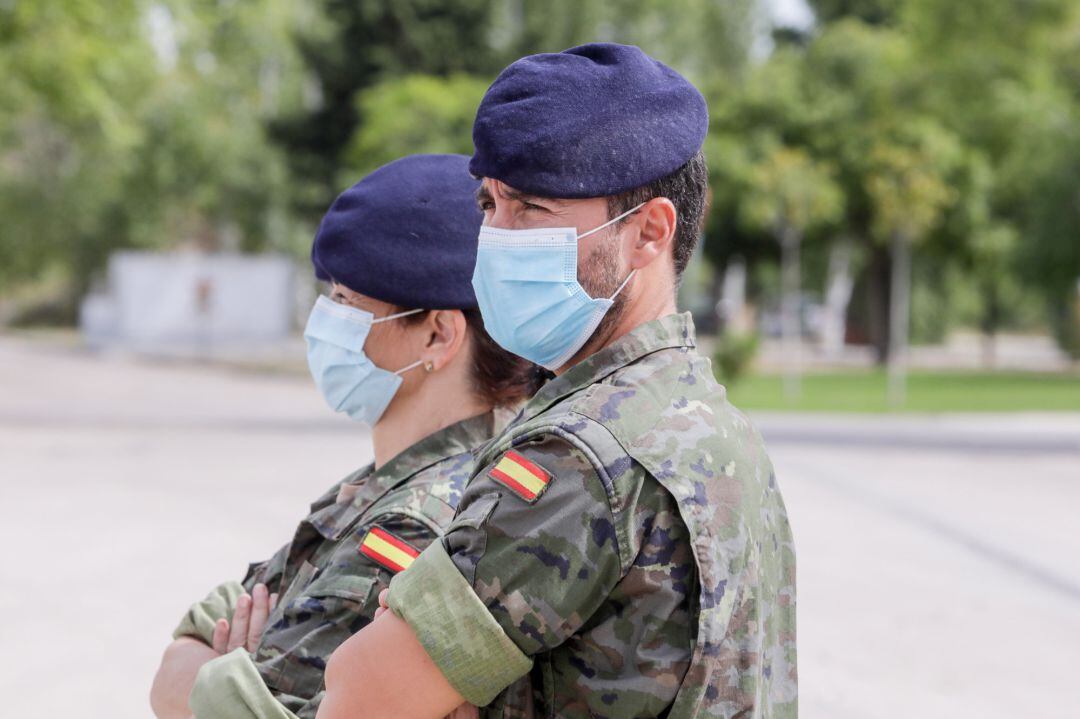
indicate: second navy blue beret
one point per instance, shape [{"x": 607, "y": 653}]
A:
[
  {"x": 405, "y": 234},
  {"x": 592, "y": 121}
]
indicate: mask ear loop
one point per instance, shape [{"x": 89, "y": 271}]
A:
[
  {"x": 612, "y": 221},
  {"x": 395, "y": 316},
  {"x": 414, "y": 365},
  {"x": 624, "y": 283}
]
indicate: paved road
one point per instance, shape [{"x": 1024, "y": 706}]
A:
[{"x": 938, "y": 577}]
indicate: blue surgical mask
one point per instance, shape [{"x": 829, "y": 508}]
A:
[
  {"x": 529, "y": 296},
  {"x": 348, "y": 379}
]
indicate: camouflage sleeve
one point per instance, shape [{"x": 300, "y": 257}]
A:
[
  {"x": 229, "y": 687},
  {"x": 536, "y": 544},
  {"x": 315, "y": 615},
  {"x": 200, "y": 618}
]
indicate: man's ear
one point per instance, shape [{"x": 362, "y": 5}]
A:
[
  {"x": 657, "y": 221},
  {"x": 444, "y": 338}
]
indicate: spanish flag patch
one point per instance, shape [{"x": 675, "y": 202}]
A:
[
  {"x": 390, "y": 551},
  {"x": 526, "y": 479}
]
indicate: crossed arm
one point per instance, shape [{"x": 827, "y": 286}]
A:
[
  {"x": 185, "y": 655},
  {"x": 385, "y": 673}
]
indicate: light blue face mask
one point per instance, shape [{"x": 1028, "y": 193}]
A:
[
  {"x": 529, "y": 296},
  {"x": 349, "y": 381}
]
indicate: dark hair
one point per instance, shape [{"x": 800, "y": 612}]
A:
[
  {"x": 687, "y": 189},
  {"x": 498, "y": 376}
]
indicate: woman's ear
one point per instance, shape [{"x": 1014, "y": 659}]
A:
[{"x": 445, "y": 336}]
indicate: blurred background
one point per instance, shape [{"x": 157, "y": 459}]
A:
[{"x": 888, "y": 282}]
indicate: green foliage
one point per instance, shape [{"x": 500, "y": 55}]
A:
[
  {"x": 862, "y": 391},
  {"x": 109, "y": 140},
  {"x": 368, "y": 43},
  {"x": 734, "y": 356},
  {"x": 706, "y": 40},
  {"x": 413, "y": 114},
  {"x": 356, "y": 44},
  {"x": 906, "y": 180},
  {"x": 154, "y": 123},
  {"x": 788, "y": 189},
  {"x": 949, "y": 124},
  {"x": 872, "y": 12}
]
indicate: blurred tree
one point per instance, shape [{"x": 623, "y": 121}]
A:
[
  {"x": 789, "y": 193},
  {"x": 872, "y": 12},
  {"x": 139, "y": 124},
  {"x": 1005, "y": 80},
  {"x": 908, "y": 187},
  {"x": 748, "y": 117},
  {"x": 73, "y": 70},
  {"x": 355, "y": 45},
  {"x": 206, "y": 171},
  {"x": 413, "y": 114},
  {"x": 365, "y": 43},
  {"x": 1046, "y": 180},
  {"x": 703, "y": 39},
  {"x": 1000, "y": 76}
]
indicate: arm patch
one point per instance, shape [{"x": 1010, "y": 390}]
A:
[
  {"x": 524, "y": 478},
  {"x": 388, "y": 550}
]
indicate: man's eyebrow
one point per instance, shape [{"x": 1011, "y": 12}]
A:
[
  {"x": 517, "y": 195},
  {"x": 484, "y": 195}
]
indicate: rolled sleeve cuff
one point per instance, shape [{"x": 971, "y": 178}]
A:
[
  {"x": 455, "y": 628},
  {"x": 230, "y": 687},
  {"x": 202, "y": 616}
]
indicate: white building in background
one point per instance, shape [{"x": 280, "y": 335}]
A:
[{"x": 192, "y": 303}]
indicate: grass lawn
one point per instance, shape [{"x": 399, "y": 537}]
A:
[{"x": 865, "y": 391}]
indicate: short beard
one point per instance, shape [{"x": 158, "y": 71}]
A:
[{"x": 601, "y": 278}]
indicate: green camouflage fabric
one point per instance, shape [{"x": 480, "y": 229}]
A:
[
  {"x": 327, "y": 589},
  {"x": 655, "y": 574}
]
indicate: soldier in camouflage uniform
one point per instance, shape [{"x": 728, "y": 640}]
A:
[
  {"x": 375, "y": 522},
  {"x": 329, "y": 578},
  {"x": 623, "y": 550}
]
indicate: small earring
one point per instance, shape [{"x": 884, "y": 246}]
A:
[{"x": 428, "y": 366}]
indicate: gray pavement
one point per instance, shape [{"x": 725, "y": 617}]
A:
[{"x": 938, "y": 556}]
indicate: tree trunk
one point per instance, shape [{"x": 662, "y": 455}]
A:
[
  {"x": 899, "y": 318},
  {"x": 790, "y": 324},
  {"x": 837, "y": 297},
  {"x": 878, "y": 273},
  {"x": 991, "y": 320},
  {"x": 715, "y": 322},
  {"x": 733, "y": 297}
]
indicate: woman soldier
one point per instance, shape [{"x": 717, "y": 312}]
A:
[{"x": 398, "y": 345}]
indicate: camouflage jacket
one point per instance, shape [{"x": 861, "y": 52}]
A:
[
  {"x": 358, "y": 535},
  {"x": 623, "y": 551}
]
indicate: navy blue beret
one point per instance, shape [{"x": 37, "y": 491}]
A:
[
  {"x": 405, "y": 234},
  {"x": 591, "y": 121}
]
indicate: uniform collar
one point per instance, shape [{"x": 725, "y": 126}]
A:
[
  {"x": 360, "y": 491},
  {"x": 667, "y": 332},
  {"x": 458, "y": 438}
]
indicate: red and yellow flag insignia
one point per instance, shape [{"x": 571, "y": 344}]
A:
[
  {"x": 526, "y": 479},
  {"x": 390, "y": 551}
]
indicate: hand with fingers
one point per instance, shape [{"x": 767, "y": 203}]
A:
[
  {"x": 186, "y": 655},
  {"x": 248, "y": 621},
  {"x": 383, "y": 606}
]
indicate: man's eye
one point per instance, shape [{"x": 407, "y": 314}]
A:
[
  {"x": 487, "y": 205},
  {"x": 530, "y": 206}
]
